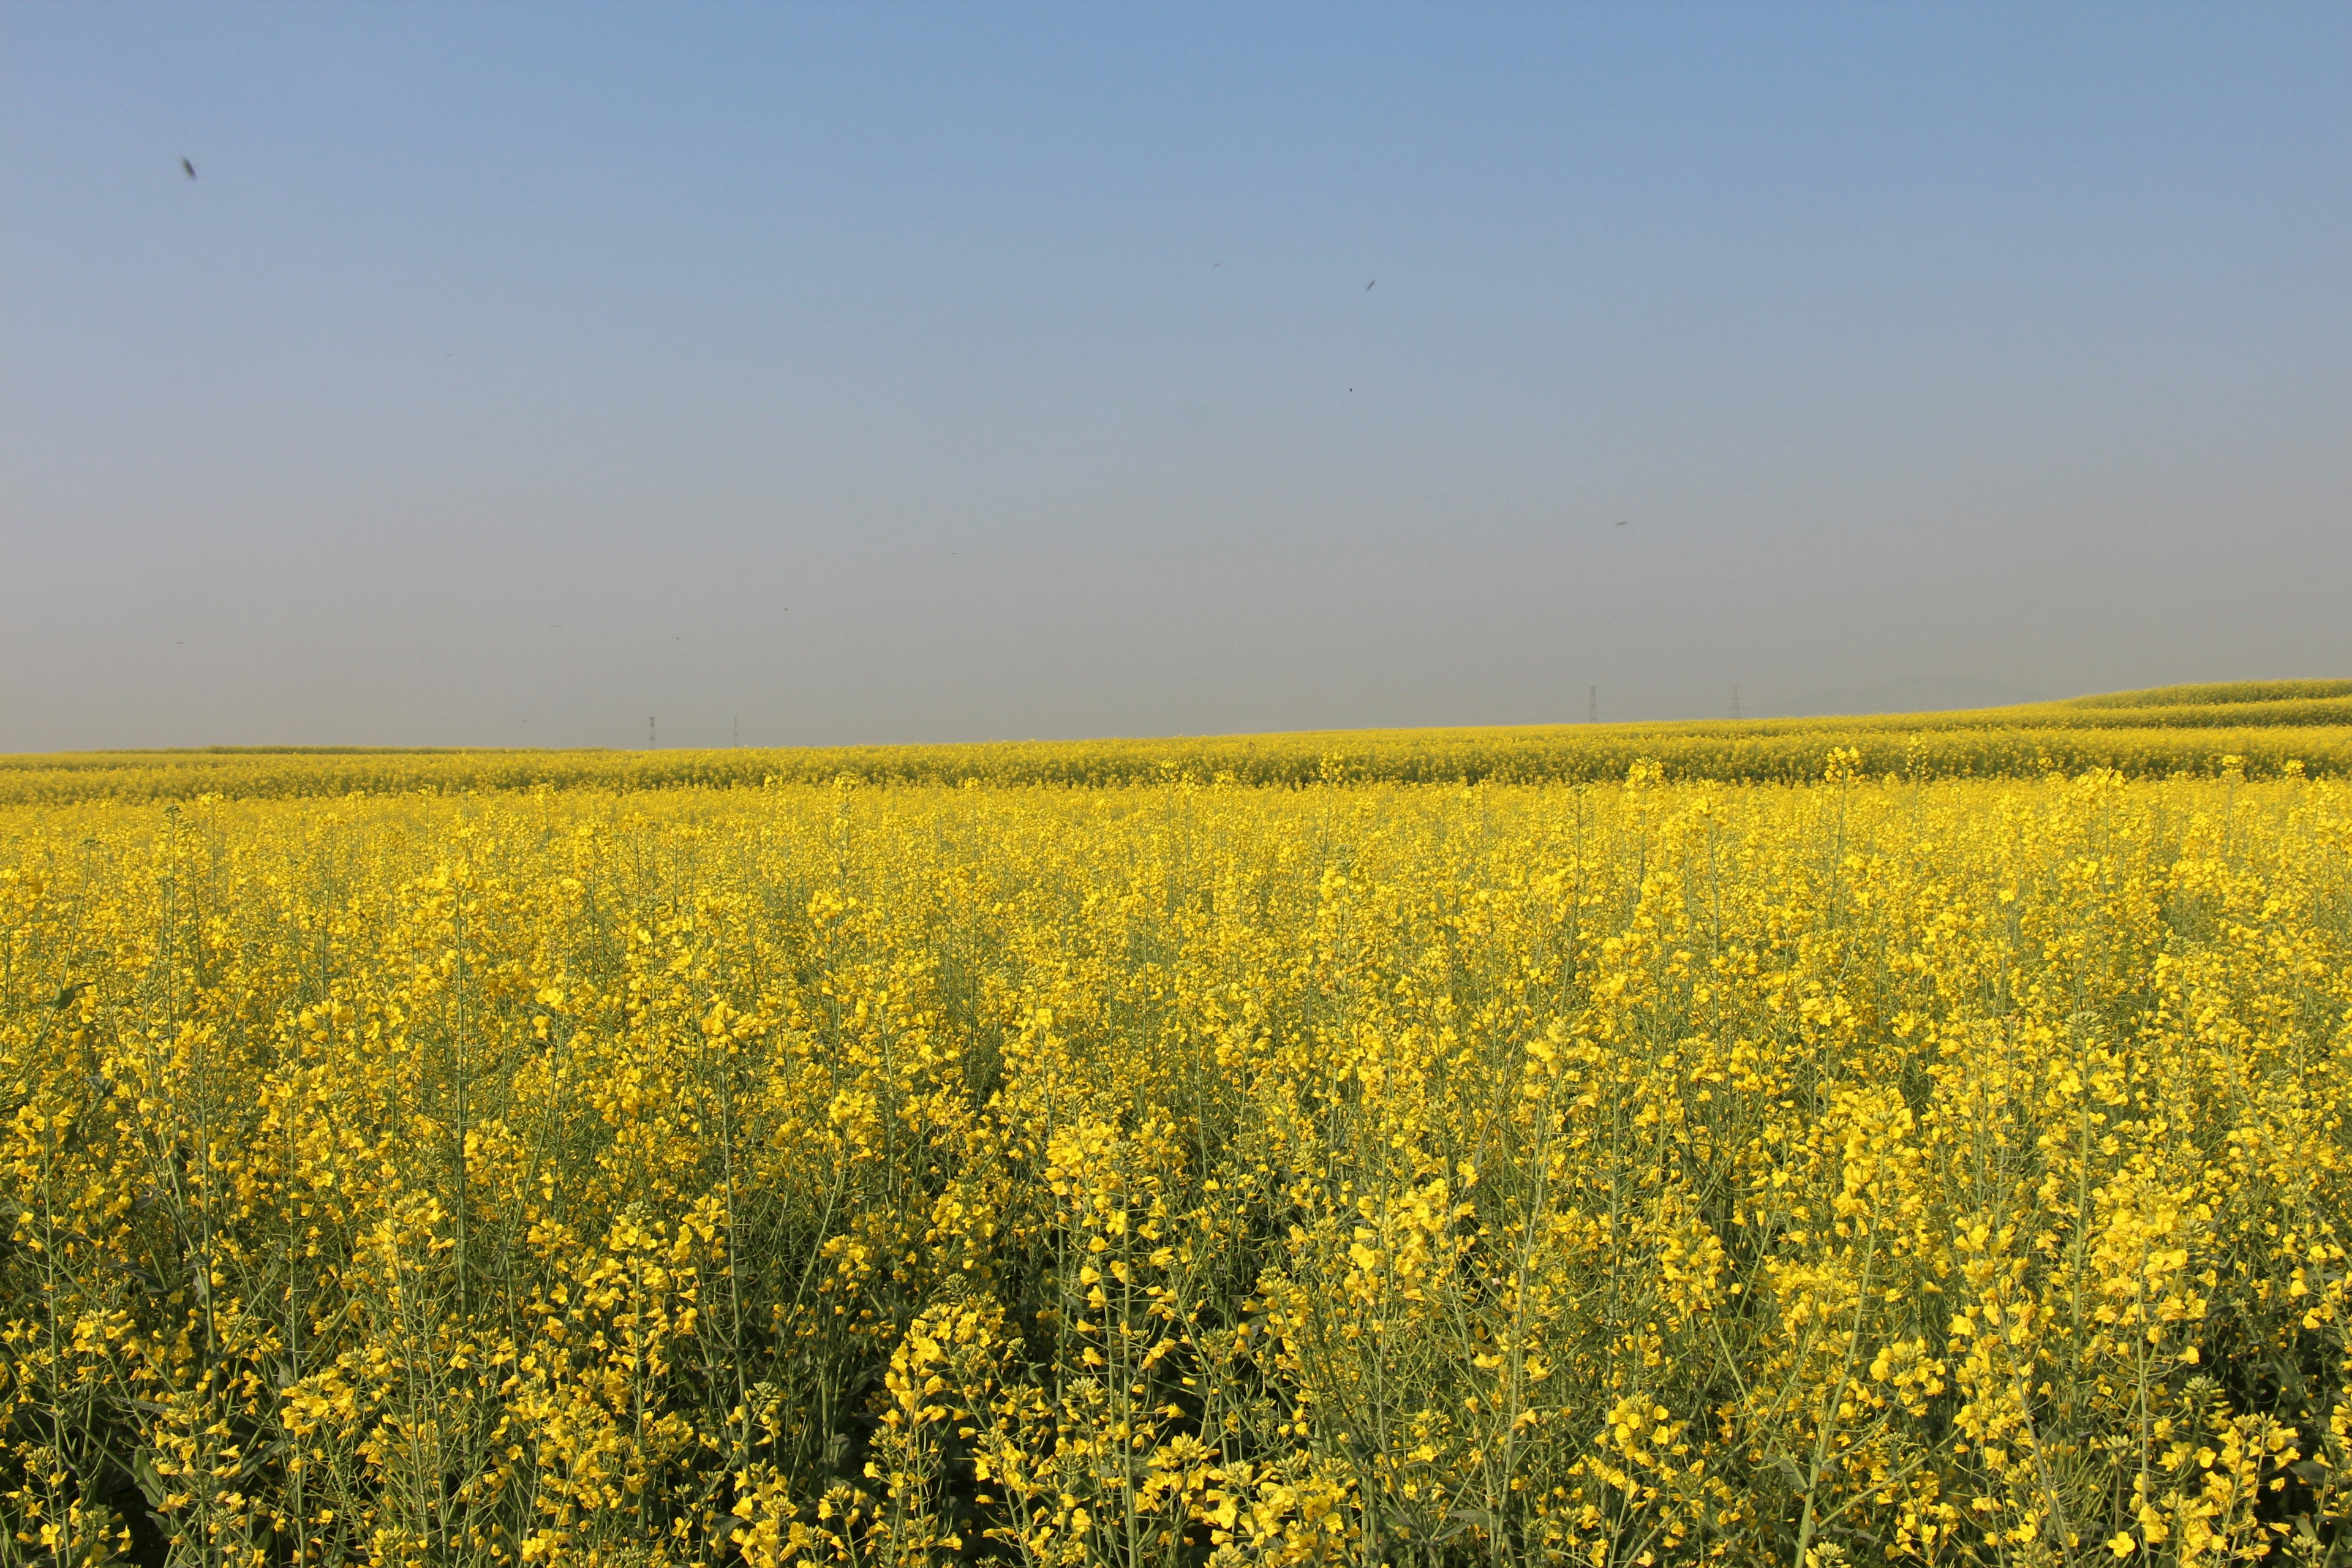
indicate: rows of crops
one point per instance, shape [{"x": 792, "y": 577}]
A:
[
  {"x": 2268, "y": 728},
  {"x": 1935, "y": 1170}
]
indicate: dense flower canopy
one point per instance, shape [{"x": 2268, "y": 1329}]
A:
[{"x": 1863, "y": 1169}]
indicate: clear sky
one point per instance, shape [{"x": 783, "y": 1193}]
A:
[{"x": 509, "y": 373}]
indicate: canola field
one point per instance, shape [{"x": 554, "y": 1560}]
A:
[
  {"x": 1840, "y": 1170},
  {"x": 2262, "y": 729}
]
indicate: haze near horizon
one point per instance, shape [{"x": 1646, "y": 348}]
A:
[{"x": 506, "y": 376}]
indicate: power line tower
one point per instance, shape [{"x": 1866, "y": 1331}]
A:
[
  {"x": 1593, "y": 705},
  {"x": 1734, "y": 704},
  {"x": 650, "y": 741}
]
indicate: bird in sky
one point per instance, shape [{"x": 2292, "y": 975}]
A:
[
  {"x": 1621, "y": 523},
  {"x": 1367, "y": 287},
  {"x": 191, "y": 168}
]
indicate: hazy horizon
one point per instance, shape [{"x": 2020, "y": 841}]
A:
[{"x": 505, "y": 376}]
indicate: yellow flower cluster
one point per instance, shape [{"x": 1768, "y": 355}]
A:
[{"x": 1857, "y": 1170}]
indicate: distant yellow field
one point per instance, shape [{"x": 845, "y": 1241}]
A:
[
  {"x": 1934, "y": 1169},
  {"x": 2267, "y": 725}
]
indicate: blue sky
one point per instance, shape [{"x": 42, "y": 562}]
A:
[{"x": 510, "y": 373}]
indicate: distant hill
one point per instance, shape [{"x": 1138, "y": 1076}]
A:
[
  {"x": 2222, "y": 694},
  {"x": 1913, "y": 694},
  {"x": 2258, "y": 728}
]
